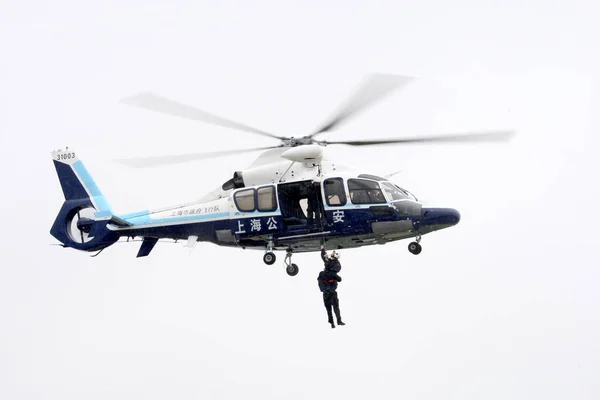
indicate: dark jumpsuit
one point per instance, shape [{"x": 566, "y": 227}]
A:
[{"x": 328, "y": 282}]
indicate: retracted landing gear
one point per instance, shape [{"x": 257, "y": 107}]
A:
[
  {"x": 415, "y": 247},
  {"x": 291, "y": 269}
]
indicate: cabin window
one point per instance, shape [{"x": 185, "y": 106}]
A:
[
  {"x": 394, "y": 192},
  {"x": 334, "y": 192},
  {"x": 266, "y": 199},
  {"x": 365, "y": 192},
  {"x": 244, "y": 200}
]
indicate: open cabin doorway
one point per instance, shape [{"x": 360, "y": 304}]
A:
[{"x": 293, "y": 203}]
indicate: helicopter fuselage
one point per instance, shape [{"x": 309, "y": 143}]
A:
[
  {"x": 351, "y": 209},
  {"x": 356, "y": 211}
]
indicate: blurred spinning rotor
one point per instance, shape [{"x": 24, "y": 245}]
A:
[{"x": 374, "y": 88}]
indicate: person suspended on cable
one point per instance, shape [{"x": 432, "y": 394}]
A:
[{"x": 328, "y": 282}]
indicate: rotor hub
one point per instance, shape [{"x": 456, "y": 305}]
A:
[{"x": 302, "y": 141}]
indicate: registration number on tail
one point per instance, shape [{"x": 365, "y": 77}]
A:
[{"x": 65, "y": 156}]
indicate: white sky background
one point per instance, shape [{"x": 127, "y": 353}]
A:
[{"x": 504, "y": 305}]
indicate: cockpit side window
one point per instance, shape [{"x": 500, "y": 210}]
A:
[
  {"x": 393, "y": 192},
  {"x": 334, "y": 192},
  {"x": 365, "y": 192},
  {"x": 407, "y": 193},
  {"x": 244, "y": 200}
]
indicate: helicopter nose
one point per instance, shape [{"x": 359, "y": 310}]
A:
[{"x": 442, "y": 217}]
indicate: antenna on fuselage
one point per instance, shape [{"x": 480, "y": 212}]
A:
[
  {"x": 388, "y": 176},
  {"x": 191, "y": 243}
]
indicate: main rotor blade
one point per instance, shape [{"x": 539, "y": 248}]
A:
[
  {"x": 158, "y": 103},
  {"x": 492, "y": 136},
  {"x": 142, "y": 162},
  {"x": 374, "y": 88}
]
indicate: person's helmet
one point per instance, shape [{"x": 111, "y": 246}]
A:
[{"x": 335, "y": 255}]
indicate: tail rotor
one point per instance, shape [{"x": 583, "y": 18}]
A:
[{"x": 80, "y": 225}]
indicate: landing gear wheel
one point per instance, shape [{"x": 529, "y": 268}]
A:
[
  {"x": 269, "y": 258},
  {"x": 292, "y": 270},
  {"x": 414, "y": 248}
]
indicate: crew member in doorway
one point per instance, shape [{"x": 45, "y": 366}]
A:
[
  {"x": 328, "y": 282},
  {"x": 314, "y": 206}
]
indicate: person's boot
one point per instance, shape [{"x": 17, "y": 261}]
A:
[
  {"x": 332, "y": 325},
  {"x": 341, "y": 323}
]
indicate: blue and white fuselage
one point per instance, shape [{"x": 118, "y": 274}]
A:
[{"x": 357, "y": 210}]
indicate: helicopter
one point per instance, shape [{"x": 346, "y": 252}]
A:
[{"x": 264, "y": 206}]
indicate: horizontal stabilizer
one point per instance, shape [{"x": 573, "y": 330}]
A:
[{"x": 119, "y": 221}]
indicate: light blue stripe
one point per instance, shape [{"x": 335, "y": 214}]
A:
[
  {"x": 255, "y": 212},
  {"x": 102, "y": 204},
  {"x": 147, "y": 220},
  {"x": 136, "y": 214},
  {"x": 86, "y": 179},
  {"x": 91, "y": 187}
]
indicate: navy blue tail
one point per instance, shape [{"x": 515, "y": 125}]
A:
[{"x": 83, "y": 218}]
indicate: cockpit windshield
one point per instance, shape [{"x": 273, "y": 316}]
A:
[{"x": 395, "y": 192}]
